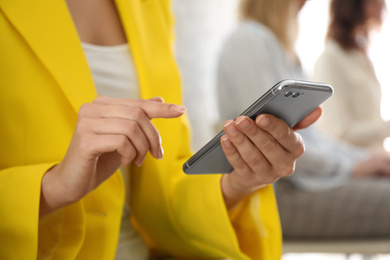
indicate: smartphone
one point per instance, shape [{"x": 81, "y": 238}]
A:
[{"x": 290, "y": 100}]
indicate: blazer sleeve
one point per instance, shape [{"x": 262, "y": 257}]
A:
[{"x": 19, "y": 211}]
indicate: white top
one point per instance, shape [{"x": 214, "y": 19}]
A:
[
  {"x": 253, "y": 60},
  {"x": 113, "y": 70},
  {"x": 114, "y": 75},
  {"x": 353, "y": 113}
]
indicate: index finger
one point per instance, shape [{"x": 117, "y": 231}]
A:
[
  {"x": 153, "y": 108},
  {"x": 309, "y": 119}
]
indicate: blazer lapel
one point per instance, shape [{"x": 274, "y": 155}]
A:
[
  {"x": 129, "y": 11},
  {"x": 48, "y": 29},
  {"x": 148, "y": 33}
]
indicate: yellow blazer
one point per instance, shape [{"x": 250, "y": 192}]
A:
[{"x": 44, "y": 79}]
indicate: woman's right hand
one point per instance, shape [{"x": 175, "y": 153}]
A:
[
  {"x": 109, "y": 132},
  {"x": 377, "y": 164},
  {"x": 260, "y": 153}
]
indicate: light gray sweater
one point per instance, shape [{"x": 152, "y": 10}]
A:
[{"x": 253, "y": 60}]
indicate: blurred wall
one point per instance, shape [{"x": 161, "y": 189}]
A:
[{"x": 200, "y": 27}]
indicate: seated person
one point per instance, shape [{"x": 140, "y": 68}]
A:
[
  {"x": 354, "y": 114},
  {"x": 337, "y": 190}
]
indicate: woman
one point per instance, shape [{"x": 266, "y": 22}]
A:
[
  {"x": 328, "y": 176},
  {"x": 354, "y": 112},
  {"x": 75, "y": 168}
]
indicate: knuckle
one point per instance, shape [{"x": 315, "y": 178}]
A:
[
  {"x": 83, "y": 125},
  {"x": 130, "y": 155},
  {"x": 284, "y": 134},
  {"x": 126, "y": 147},
  {"x": 84, "y": 109},
  {"x": 138, "y": 114},
  {"x": 131, "y": 127},
  {"x": 230, "y": 151},
  {"x": 299, "y": 150},
  {"x": 123, "y": 141},
  {"x": 286, "y": 170},
  {"x": 300, "y": 145},
  {"x": 239, "y": 139},
  {"x": 254, "y": 160},
  {"x": 236, "y": 161},
  {"x": 268, "y": 146}
]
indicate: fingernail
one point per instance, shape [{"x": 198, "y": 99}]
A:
[
  {"x": 180, "y": 109},
  {"x": 160, "y": 153},
  {"x": 231, "y": 128},
  {"x": 263, "y": 121},
  {"x": 140, "y": 163},
  {"x": 243, "y": 123},
  {"x": 226, "y": 141},
  {"x": 159, "y": 99}
]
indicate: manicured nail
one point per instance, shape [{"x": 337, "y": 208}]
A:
[
  {"x": 226, "y": 141},
  {"x": 160, "y": 153},
  {"x": 179, "y": 109},
  {"x": 244, "y": 123},
  {"x": 263, "y": 121},
  {"x": 231, "y": 128},
  {"x": 159, "y": 99},
  {"x": 140, "y": 163}
]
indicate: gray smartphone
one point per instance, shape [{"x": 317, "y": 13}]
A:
[{"x": 290, "y": 100}]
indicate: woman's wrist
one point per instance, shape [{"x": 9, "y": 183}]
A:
[
  {"x": 232, "y": 194},
  {"x": 51, "y": 192}
]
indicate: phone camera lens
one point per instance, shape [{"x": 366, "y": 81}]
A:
[
  {"x": 287, "y": 94},
  {"x": 296, "y": 94}
]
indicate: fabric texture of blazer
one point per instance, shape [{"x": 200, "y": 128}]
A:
[{"x": 44, "y": 79}]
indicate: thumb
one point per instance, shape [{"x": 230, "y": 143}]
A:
[{"x": 309, "y": 119}]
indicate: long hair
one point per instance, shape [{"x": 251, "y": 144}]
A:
[
  {"x": 277, "y": 15},
  {"x": 346, "y": 17}
]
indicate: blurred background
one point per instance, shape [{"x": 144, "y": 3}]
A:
[{"x": 201, "y": 28}]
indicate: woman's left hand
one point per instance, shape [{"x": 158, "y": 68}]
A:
[{"x": 260, "y": 153}]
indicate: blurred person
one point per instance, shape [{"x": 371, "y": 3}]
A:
[
  {"x": 337, "y": 190},
  {"x": 353, "y": 114},
  {"x": 86, "y": 177}
]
